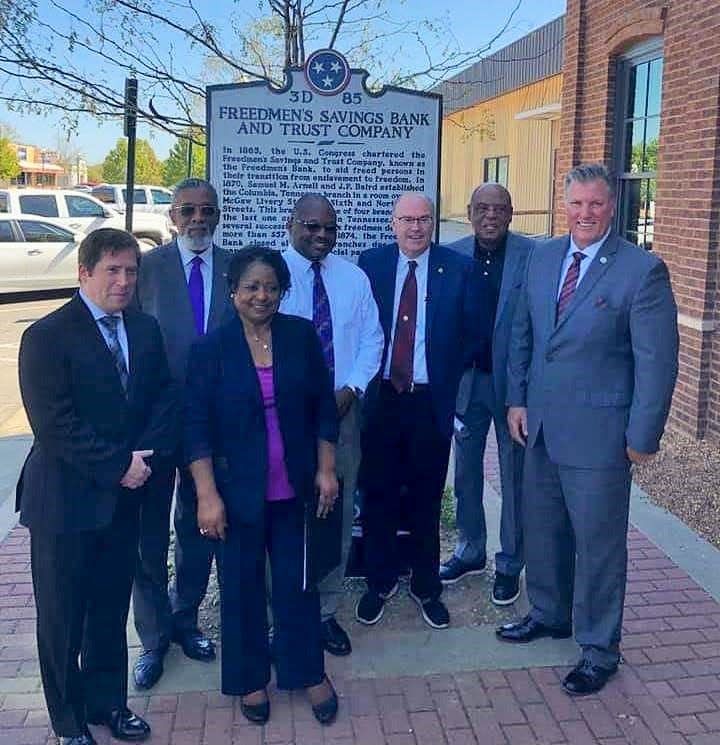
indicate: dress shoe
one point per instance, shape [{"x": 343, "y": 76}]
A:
[
  {"x": 335, "y": 638},
  {"x": 506, "y": 588},
  {"x": 195, "y": 645},
  {"x": 586, "y": 678},
  {"x": 454, "y": 569},
  {"x": 256, "y": 713},
  {"x": 84, "y": 739},
  {"x": 149, "y": 668},
  {"x": 527, "y": 630},
  {"x": 123, "y": 724},
  {"x": 326, "y": 711}
]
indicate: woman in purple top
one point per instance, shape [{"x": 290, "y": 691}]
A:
[{"x": 261, "y": 424}]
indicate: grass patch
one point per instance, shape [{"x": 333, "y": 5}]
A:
[{"x": 447, "y": 509}]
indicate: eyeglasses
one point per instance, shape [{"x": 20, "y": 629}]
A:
[
  {"x": 498, "y": 209},
  {"x": 407, "y": 220},
  {"x": 187, "y": 210},
  {"x": 313, "y": 226}
]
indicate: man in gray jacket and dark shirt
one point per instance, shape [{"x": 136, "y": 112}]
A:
[{"x": 501, "y": 255}]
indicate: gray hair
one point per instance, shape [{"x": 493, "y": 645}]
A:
[
  {"x": 195, "y": 183},
  {"x": 590, "y": 172},
  {"x": 419, "y": 194}
]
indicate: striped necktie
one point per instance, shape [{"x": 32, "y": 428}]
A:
[
  {"x": 322, "y": 320},
  {"x": 111, "y": 324},
  {"x": 569, "y": 285}
]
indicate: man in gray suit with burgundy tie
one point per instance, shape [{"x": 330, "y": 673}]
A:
[
  {"x": 501, "y": 256},
  {"x": 183, "y": 285},
  {"x": 592, "y": 366}
]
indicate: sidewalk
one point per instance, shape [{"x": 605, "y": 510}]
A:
[{"x": 414, "y": 686}]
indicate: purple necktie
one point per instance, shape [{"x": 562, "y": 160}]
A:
[
  {"x": 322, "y": 320},
  {"x": 569, "y": 284},
  {"x": 197, "y": 295}
]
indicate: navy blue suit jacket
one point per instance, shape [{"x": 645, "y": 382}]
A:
[
  {"x": 225, "y": 414},
  {"x": 458, "y": 320}
]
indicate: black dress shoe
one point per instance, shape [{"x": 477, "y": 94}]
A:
[
  {"x": 335, "y": 639},
  {"x": 123, "y": 724},
  {"x": 506, "y": 588},
  {"x": 84, "y": 739},
  {"x": 195, "y": 645},
  {"x": 529, "y": 629},
  {"x": 256, "y": 713},
  {"x": 454, "y": 569},
  {"x": 586, "y": 678},
  {"x": 326, "y": 711},
  {"x": 148, "y": 668}
]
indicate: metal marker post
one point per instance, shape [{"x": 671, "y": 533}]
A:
[{"x": 131, "y": 91}]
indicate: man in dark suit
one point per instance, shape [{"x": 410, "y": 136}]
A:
[
  {"x": 183, "y": 285},
  {"x": 97, "y": 390},
  {"x": 501, "y": 256},
  {"x": 436, "y": 324},
  {"x": 592, "y": 367}
]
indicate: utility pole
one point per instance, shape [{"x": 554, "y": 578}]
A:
[{"x": 131, "y": 92}]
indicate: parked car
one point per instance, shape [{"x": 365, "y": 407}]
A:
[
  {"x": 146, "y": 198},
  {"x": 78, "y": 212}
]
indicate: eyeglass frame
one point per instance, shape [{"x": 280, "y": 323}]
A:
[
  {"x": 188, "y": 210},
  {"x": 313, "y": 226},
  {"x": 425, "y": 220}
]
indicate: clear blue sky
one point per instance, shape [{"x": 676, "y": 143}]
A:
[{"x": 473, "y": 24}]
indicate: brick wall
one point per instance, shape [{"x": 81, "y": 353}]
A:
[{"x": 688, "y": 183}]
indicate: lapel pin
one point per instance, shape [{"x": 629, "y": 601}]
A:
[
  {"x": 603, "y": 259},
  {"x": 440, "y": 270}
]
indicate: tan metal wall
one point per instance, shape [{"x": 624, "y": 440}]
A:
[{"x": 490, "y": 129}]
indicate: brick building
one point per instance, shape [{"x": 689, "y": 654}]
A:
[{"x": 641, "y": 92}]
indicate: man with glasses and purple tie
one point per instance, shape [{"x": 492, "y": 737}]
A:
[
  {"x": 182, "y": 284},
  {"x": 335, "y": 295}
]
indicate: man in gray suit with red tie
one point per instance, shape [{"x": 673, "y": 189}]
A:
[
  {"x": 591, "y": 372},
  {"x": 183, "y": 285},
  {"x": 500, "y": 256}
]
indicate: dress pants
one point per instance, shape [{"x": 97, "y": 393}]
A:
[
  {"x": 297, "y": 645},
  {"x": 193, "y": 556},
  {"x": 151, "y": 603},
  {"x": 403, "y": 446},
  {"x": 347, "y": 460},
  {"x": 82, "y": 584},
  {"x": 576, "y": 549},
  {"x": 470, "y": 442}
]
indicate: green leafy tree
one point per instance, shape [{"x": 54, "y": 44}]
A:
[
  {"x": 175, "y": 167},
  {"x": 148, "y": 169},
  {"x": 95, "y": 173},
  {"x": 9, "y": 166}
]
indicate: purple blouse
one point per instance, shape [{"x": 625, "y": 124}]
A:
[{"x": 278, "y": 484}]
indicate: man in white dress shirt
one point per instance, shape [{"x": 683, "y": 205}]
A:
[{"x": 352, "y": 341}]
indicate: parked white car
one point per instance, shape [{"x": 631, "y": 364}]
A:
[
  {"x": 82, "y": 213},
  {"x": 146, "y": 198}
]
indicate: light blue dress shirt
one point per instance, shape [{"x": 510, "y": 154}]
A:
[
  {"x": 590, "y": 252},
  {"x": 97, "y": 314}
]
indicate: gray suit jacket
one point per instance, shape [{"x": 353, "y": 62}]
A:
[
  {"x": 517, "y": 248},
  {"x": 162, "y": 292},
  {"x": 602, "y": 378}
]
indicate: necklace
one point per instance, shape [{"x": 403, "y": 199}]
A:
[{"x": 264, "y": 344}]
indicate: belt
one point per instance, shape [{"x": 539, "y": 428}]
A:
[{"x": 414, "y": 387}]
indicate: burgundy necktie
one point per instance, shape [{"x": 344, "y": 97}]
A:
[
  {"x": 322, "y": 320},
  {"x": 403, "y": 351},
  {"x": 197, "y": 295},
  {"x": 569, "y": 285}
]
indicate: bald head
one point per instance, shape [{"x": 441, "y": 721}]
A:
[
  {"x": 413, "y": 220},
  {"x": 490, "y": 212},
  {"x": 312, "y": 226}
]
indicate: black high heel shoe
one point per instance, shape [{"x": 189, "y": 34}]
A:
[
  {"x": 326, "y": 711},
  {"x": 256, "y": 713}
]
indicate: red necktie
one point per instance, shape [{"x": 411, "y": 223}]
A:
[
  {"x": 403, "y": 351},
  {"x": 569, "y": 285}
]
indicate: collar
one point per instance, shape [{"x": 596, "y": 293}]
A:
[
  {"x": 589, "y": 251},
  {"x": 292, "y": 255},
  {"x": 186, "y": 255},
  {"x": 421, "y": 260},
  {"x": 497, "y": 250},
  {"x": 96, "y": 310}
]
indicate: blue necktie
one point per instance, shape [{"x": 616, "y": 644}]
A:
[
  {"x": 111, "y": 324},
  {"x": 322, "y": 320},
  {"x": 197, "y": 295}
]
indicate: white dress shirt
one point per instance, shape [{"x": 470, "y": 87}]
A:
[
  {"x": 206, "y": 270},
  {"x": 420, "y": 373},
  {"x": 97, "y": 314},
  {"x": 357, "y": 335},
  {"x": 590, "y": 252}
]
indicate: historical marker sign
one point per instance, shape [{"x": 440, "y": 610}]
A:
[{"x": 324, "y": 132}]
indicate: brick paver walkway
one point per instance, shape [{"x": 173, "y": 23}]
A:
[{"x": 667, "y": 692}]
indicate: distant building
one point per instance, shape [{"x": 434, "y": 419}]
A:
[
  {"x": 39, "y": 166},
  {"x": 634, "y": 84}
]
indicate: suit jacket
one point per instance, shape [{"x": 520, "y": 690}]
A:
[
  {"x": 162, "y": 292},
  {"x": 457, "y": 320},
  {"x": 225, "y": 415},
  {"x": 517, "y": 248},
  {"x": 84, "y": 425},
  {"x": 603, "y": 377}
]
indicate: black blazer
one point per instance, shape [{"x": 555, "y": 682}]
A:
[
  {"x": 85, "y": 427},
  {"x": 225, "y": 416}
]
